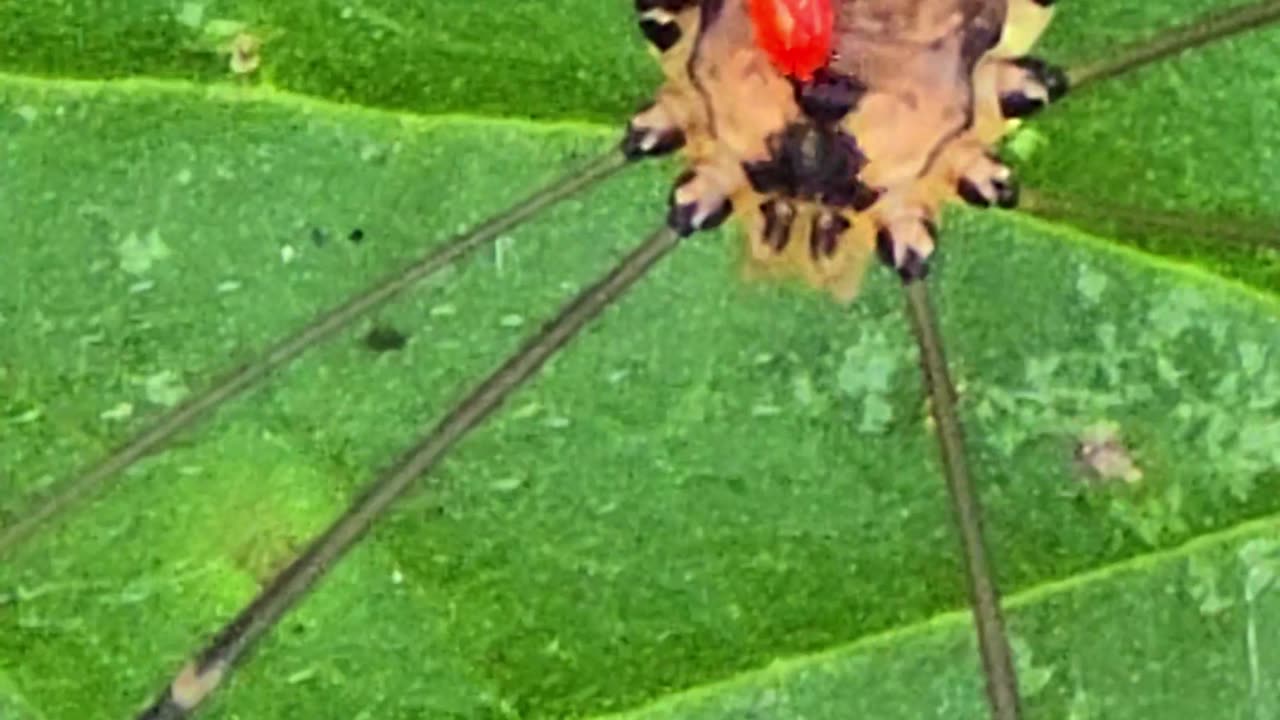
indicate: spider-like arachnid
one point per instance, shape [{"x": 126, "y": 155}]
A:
[{"x": 700, "y": 486}]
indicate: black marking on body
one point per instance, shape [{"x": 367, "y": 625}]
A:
[
  {"x": 709, "y": 12},
  {"x": 671, "y": 6},
  {"x": 824, "y": 239},
  {"x": 779, "y": 216},
  {"x": 816, "y": 163},
  {"x": 829, "y": 96},
  {"x": 663, "y": 35}
]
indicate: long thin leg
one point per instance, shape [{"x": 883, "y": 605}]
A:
[
  {"x": 1203, "y": 30},
  {"x": 993, "y": 644},
  {"x": 1199, "y": 32},
  {"x": 233, "y": 384},
  {"x": 1057, "y": 205},
  {"x": 203, "y": 675},
  {"x": 997, "y": 658}
]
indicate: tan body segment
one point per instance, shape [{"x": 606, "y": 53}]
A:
[{"x": 928, "y": 118}]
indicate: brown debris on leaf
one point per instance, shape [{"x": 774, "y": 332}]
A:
[{"x": 1103, "y": 456}]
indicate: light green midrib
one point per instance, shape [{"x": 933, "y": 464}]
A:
[
  {"x": 267, "y": 94},
  {"x": 1189, "y": 271},
  {"x": 952, "y": 620},
  {"x": 938, "y": 623}
]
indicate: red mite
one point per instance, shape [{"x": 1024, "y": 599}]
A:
[{"x": 796, "y": 34}]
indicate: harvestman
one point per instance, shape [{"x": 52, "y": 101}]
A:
[{"x": 791, "y": 116}]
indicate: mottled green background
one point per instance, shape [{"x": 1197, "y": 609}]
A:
[{"x": 723, "y": 500}]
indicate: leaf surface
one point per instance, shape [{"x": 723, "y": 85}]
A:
[{"x": 716, "y": 475}]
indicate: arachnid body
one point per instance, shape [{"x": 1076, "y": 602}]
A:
[{"x": 857, "y": 153}]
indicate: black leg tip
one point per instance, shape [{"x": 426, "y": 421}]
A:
[
  {"x": 690, "y": 217},
  {"x": 970, "y": 194},
  {"x": 1017, "y": 105},
  {"x": 640, "y": 143},
  {"x": 1007, "y": 193},
  {"x": 1051, "y": 77},
  {"x": 778, "y": 219},
  {"x": 912, "y": 268},
  {"x": 856, "y": 196},
  {"x": 825, "y": 234},
  {"x": 643, "y": 6},
  {"x": 663, "y": 35},
  {"x": 685, "y": 220}
]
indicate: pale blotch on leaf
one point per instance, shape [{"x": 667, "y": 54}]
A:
[
  {"x": 1025, "y": 142},
  {"x": 1040, "y": 370},
  {"x": 506, "y": 485},
  {"x": 1091, "y": 284},
  {"x": 1032, "y": 678},
  {"x": 139, "y": 254},
  {"x": 27, "y": 417},
  {"x": 219, "y": 32},
  {"x": 1152, "y": 516},
  {"x": 1253, "y": 357},
  {"x": 191, "y": 14},
  {"x": 802, "y": 390},
  {"x": 302, "y": 675},
  {"x": 877, "y": 413},
  {"x": 867, "y": 374},
  {"x": 1261, "y": 558},
  {"x": 1175, "y": 312},
  {"x": 1103, "y": 456},
  {"x": 1082, "y": 706},
  {"x": 1202, "y": 578},
  {"x": 122, "y": 411},
  {"x": 765, "y": 410},
  {"x": 503, "y": 246},
  {"x": 164, "y": 388},
  {"x": 526, "y": 411}
]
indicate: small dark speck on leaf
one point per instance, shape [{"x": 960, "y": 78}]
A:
[
  {"x": 384, "y": 339},
  {"x": 319, "y": 236},
  {"x": 356, "y": 235}
]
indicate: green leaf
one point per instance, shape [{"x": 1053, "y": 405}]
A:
[
  {"x": 707, "y": 506},
  {"x": 550, "y": 59}
]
